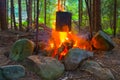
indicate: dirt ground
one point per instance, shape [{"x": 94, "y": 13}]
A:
[{"x": 109, "y": 59}]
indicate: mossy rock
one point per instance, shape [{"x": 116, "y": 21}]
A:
[{"x": 21, "y": 49}]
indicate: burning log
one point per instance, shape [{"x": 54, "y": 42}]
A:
[{"x": 63, "y": 49}]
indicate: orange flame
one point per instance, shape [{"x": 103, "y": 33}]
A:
[{"x": 60, "y": 5}]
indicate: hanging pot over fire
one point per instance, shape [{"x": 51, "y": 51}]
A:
[{"x": 63, "y": 21}]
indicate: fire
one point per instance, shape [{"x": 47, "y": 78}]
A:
[
  {"x": 63, "y": 41},
  {"x": 60, "y": 5},
  {"x": 63, "y": 36},
  {"x": 59, "y": 38},
  {"x": 52, "y": 45}
]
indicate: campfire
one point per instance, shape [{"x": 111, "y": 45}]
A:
[
  {"x": 62, "y": 39},
  {"x": 61, "y": 42}
]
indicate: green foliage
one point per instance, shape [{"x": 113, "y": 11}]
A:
[
  {"x": 107, "y": 7},
  {"x": 24, "y": 23},
  {"x": 109, "y": 31},
  {"x": 72, "y": 6}
]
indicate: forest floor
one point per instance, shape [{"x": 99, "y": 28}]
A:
[{"x": 110, "y": 59}]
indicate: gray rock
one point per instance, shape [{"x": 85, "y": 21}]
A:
[
  {"x": 95, "y": 69},
  {"x": 1, "y": 75},
  {"x": 47, "y": 68},
  {"x": 88, "y": 64},
  {"x": 74, "y": 57},
  {"x": 102, "y": 41},
  {"x": 13, "y": 71}
]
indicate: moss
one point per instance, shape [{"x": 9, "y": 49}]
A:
[{"x": 21, "y": 49}]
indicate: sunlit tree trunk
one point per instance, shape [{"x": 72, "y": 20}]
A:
[
  {"x": 20, "y": 16},
  {"x": 115, "y": 13},
  {"x": 3, "y": 15}
]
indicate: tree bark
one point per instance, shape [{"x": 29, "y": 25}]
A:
[
  {"x": 89, "y": 14},
  {"x": 29, "y": 13},
  {"x": 13, "y": 14},
  {"x": 45, "y": 12},
  {"x": 37, "y": 17},
  {"x": 115, "y": 13},
  {"x": 3, "y": 15},
  {"x": 80, "y": 4},
  {"x": 97, "y": 15},
  {"x": 20, "y": 15},
  {"x": 34, "y": 10}
]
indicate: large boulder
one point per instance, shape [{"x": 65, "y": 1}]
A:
[
  {"x": 74, "y": 57},
  {"x": 21, "y": 49},
  {"x": 47, "y": 68},
  {"x": 102, "y": 41},
  {"x": 95, "y": 69},
  {"x": 12, "y": 72}
]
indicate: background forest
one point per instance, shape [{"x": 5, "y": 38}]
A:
[{"x": 20, "y": 9}]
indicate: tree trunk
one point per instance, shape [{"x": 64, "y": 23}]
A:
[
  {"x": 88, "y": 4},
  {"x": 115, "y": 13},
  {"x": 80, "y": 5},
  {"x": 97, "y": 15},
  {"x": 7, "y": 7},
  {"x": 37, "y": 17},
  {"x": 45, "y": 12},
  {"x": 91, "y": 12},
  {"x": 26, "y": 1},
  {"x": 29, "y": 14},
  {"x": 34, "y": 10},
  {"x": 3, "y": 15},
  {"x": 13, "y": 14},
  {"x": 20, "y": 15}
]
